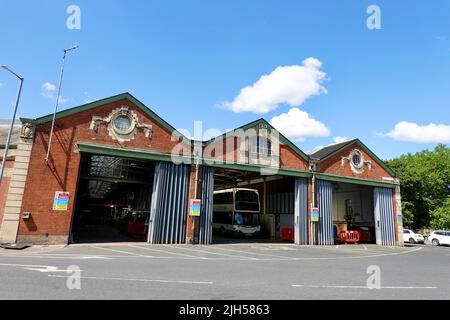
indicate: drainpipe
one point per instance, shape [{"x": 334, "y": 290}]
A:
[
  {"x": 197, "y": 160},
  {"x": 313, "y": 168},
  {"x": 196, "y": 178},
  {"x": 313, "y": 204}
]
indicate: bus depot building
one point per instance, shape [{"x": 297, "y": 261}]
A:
[{"x": 116, "y": 171}]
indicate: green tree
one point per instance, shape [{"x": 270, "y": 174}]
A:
[
  {"x": 440, "y": 217},
  {"x": 424, "y": 177}
]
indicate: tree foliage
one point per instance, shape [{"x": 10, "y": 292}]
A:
[
  {"x": 424, "y": 178},
  {"x": 440, "y": 217}
]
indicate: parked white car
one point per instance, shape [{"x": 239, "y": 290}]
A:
[
  {"x": 412, "y": 237},
  {"x": 438, "y": 238}
]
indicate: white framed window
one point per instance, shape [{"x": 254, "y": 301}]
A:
[{"x": 260, "y": 145}]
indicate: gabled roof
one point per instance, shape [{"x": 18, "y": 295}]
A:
[
  {"x": 95, "y": 104},
  {"x": 330, "y": 151},
  {"x": 252, "y": 124}
]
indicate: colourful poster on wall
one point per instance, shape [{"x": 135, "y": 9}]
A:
[
  {"x": 61, "y": 201},
  {"x": 195, "y": 206},
  {"x": 315, "y": 215}
]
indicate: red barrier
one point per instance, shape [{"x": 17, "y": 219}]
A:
[
  {"x": 287, "y": 234},
  {"x": 351, "y": 236},
  {"x": 365, "y": 236}
]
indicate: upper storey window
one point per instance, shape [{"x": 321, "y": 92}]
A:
[{"x": 260, "y": 145}]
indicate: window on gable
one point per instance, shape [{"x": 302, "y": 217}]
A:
[{"x": 261, "y": 145}]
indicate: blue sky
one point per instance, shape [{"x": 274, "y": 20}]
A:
[{"x": 184, "y": 59}]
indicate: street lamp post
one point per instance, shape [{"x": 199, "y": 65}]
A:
[
  {"x": 47, "y": 157},
  {"x": 8, "y": 140}
]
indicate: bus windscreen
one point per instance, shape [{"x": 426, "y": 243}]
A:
[
  {"x": 246, "y": 219},
  {"x": 246, "y": 201}
]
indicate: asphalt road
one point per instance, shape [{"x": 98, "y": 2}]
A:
[{"x": 225, "y": 271}]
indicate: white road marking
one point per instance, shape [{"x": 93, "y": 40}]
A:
[
  {"x": 354, "y": 287},
  {"x": 138, "y": 280},
  {"x": 24, "y": 265},
  {"x": 164, "y": 251},
  {"x": 39, "y": 268},
  {"x": 362, "y": 257},
  {"x": 121, "y": 251},
  {"x": 216, "y": 253},
  {"x": 273, "y": 248},
  {"x": 47, "y": 269},
  {"x": 74, "y": 256},
  {"x": 223, "y": 258},
  {"x": 59, "y": 256},
  {"x": 255, "y": 253}
]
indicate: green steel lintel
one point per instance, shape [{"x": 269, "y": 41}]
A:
[
  {"x": 366, "y": 182},
  {"x": 85, "y": 147}
]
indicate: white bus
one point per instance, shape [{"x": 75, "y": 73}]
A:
[{"x": 236, "y": 212}]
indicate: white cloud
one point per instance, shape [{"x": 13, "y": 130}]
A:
[
  {"x": 49, "y": 91},
  {"x": 409, "y": 131},
  {"x": 286, "y": 84},
  {"x": 1, "y": 84},
  {"x": 298, "y": 125}
]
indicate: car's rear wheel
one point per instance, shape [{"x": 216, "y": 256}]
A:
[
  {"x": 435, "y": 242},
  {"x": 411, "y": 240}
]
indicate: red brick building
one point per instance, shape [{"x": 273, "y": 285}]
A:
[{"x": 114, "y": 162}]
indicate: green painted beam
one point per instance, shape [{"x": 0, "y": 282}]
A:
[
  {"x": 85, "y": 147},
  {"x": 350, "y": 180},
  {"x": 126, "y": 153},
  {"x": 259, "y": 169}
]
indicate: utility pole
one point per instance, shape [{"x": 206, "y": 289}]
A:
[
  {"x": 11, "y": 127},
  {"x": 57, "y": 102}
]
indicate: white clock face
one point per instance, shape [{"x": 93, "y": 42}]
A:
[{"x": 122, "y": 123}]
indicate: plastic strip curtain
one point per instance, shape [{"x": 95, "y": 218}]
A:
[
  {"x": 169, "y": 204},
  {"x": 205, "y": 233},
  {"x": 384, "y": 216},
  {"x": 325, "y": 224},
  {"x": 301, "y": 211}
]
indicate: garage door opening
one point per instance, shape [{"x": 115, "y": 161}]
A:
[
  {"x": 113, "y": 200},
  {"x": 249, "y": 207},
  {"x": 353, "y": 209}
]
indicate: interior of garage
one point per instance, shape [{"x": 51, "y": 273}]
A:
[
  {"x": 113, "y": 200},
  {"x": 276, "y": 206},
  {"x": 353, "y": 209}
]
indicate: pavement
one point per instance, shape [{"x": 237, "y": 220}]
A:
[{"x": 242, "y": 271}]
